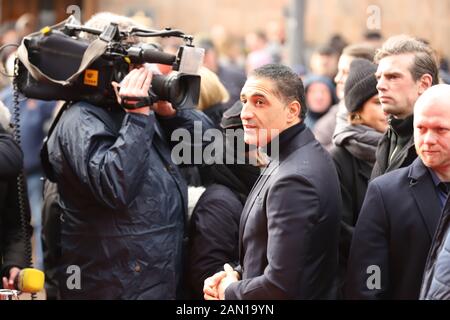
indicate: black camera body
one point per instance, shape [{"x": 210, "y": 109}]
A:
[{"x": 57, "y": 54}]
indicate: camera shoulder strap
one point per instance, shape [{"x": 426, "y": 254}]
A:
[
  {"x": 44, "y": 150},
  {"x": 95, "y": 49}
]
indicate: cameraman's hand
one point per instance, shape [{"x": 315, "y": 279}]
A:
[
  {"x": 135, "y": 84},
  {"x": 164, "y": 109},
  {"x": 8, "y": 283}
]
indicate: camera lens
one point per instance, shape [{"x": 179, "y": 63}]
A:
[
  {"x": 181, "y": 90},
  {"x": 178, "y": 90}
]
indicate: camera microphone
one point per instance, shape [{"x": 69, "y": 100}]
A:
[{"x": 29, "y": 280}]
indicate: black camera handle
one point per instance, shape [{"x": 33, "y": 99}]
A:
[
  {"x": 71, "y": 29},
  {"x": 141, "y": 101}
]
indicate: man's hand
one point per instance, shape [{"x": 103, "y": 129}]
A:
[
  {"x": 164, "y": 109},
  {"x": 135, "y": 84},
  {"x": 8, "y": 283},
  {"x": 231, "y": 276},
  {"x": 214, "y": 288},
  {"x": 210, "y": 286}
]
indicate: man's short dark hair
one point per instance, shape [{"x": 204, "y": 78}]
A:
[{"x": 289, "y": 87}]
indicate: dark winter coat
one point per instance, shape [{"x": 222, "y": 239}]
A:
[
  {"x": 12, "y": 246},
  {"x": 215, "y": 113},
  {"x": 289, "y": 227},
  {"x": 400, "y": 136},
  {"x": 353, "y": 155},
  {"x": 11, "y": 156},
  {"x": 393, "y": 235},
  {"x": 214, "y": 225},
  {"x": 213, "y": 235},
  {"x": 124, "y": 202}
]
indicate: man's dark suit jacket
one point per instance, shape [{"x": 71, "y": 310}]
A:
[
  {"x": 394, "y": 231},
  {"x": 289, "y": 227}
]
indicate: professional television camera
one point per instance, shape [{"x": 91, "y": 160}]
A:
[{"x": 56, "y": 64}]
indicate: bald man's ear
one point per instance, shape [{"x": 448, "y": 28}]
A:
[
  {"x": 426, "y": 81},
  {"x": 294, "y": 109}
]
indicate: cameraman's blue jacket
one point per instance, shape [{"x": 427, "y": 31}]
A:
[{"x": 124, "y": 202}]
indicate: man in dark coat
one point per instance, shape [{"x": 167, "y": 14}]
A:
[
  {"x": 406, "y": 68},
  {"x": 289, "y": 227},
  {"x": 433, "y": 133},
  {"x": 124, "y": 201},
  {"x": 401, "y": 211},
  {"x": 12, "y": 246}
]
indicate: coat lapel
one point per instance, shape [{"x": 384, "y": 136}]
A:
[
  {"x": 301, "y": 139},
  {"x": 381, "y": 155},
  {"x": 259, "y": 186},
  {"x": 424, "y": 193}
]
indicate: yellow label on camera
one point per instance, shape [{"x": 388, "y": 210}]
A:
[
  {"x": 46, "y": 30},
  {"x": 91, "y": 77}
]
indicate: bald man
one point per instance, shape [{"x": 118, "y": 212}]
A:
[
  {"x": 401, "y": 211},
  {"x": 432, "y": 135}
]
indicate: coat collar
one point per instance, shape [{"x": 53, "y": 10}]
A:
[
  {"x": 300, "y": 137},
  {"x": 424, "y": 193},
  {"x": 400, "y": 156}
]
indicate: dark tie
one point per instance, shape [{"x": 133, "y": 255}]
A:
[{"x": 444, "y": 187}]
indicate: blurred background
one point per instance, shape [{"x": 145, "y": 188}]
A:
[{"x": 303, "y": 25}]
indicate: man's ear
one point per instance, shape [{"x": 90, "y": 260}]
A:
[
  {"x": 294, "y": 109},
  {"x": 426, "y": 81}
]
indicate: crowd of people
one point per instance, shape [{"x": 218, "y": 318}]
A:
[{"x": 340, "y": 191}]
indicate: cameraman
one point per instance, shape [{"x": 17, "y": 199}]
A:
[
  {"x": 12, "y": 249},
  {"x": 124, "y": 202}
]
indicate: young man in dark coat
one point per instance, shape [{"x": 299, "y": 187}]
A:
[
  {"x": 289, "y": 227},
  {"x": 401, "y": 212},
  {"x": 406, "y": 68}
]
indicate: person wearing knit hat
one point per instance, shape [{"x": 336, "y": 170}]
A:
[
  {"x": 320, "y": 94},
  {"x": 336, "y": 118},
  {"x": 361, "y": 96},
  {"x": 355, "y": 145}
]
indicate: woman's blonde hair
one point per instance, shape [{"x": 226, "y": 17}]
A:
[{"x": 212, "y": 91}]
